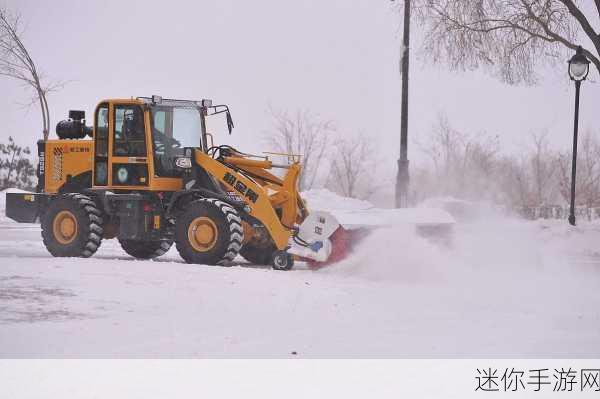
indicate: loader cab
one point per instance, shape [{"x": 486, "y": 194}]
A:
[{"x": 136, "y": 141}]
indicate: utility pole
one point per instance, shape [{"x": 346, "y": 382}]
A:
[{"x": 402, "y": 179}]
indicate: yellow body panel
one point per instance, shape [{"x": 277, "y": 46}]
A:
[
  {"x": 280, "y": 206},
  {"x": 283, "y": 193},
  {"x": 66, "y": 159},
  {"x": 260, "y": 208}
]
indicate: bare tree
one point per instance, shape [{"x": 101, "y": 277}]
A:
[
  {"x": 530, "y": 179},
  {"x": 353, "y": 168},
  {"x": 445, "y": 144},
  {"x": 17, "y": 63},
  {"x": 302, "y": 134},
  {"x": 544, "y": 165},
  {"x": 510, "y": 37},
  {"x": 587, "y": 181},
  {"x": 462, "y": 163},
  {"x": 515, "y": 182},
  {"x": 464, "y": 166}
]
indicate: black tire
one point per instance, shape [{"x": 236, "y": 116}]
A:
[
  {"x": 87, "y": 218},
  {"x": 224, "y": 221},
  {"x": 281, "y": 260},
  {"x": 257, "y": 255},
  {"x": 145, "y": 249}
]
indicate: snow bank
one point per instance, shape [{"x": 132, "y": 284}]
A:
[
  {"x": 3, "y": 217},
  {"x": 325, "y": 200}
]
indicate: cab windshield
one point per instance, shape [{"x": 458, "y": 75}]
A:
[{"x": 173, "y": 128}]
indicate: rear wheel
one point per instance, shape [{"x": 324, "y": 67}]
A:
[
  {"x": 72, "y": 226},
  {"x": 145, "y": 249},
  {"x": 209, "y": 232}
]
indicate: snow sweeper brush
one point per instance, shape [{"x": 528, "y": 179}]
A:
[{"x": 337, "y": 233}]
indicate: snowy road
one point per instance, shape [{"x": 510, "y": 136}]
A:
[{"x": 517, "y": 290}]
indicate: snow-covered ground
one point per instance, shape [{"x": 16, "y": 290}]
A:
[{"x": 504, "y": 288}]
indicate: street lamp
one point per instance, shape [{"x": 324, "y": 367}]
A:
[{"x": 579, "y": 67}]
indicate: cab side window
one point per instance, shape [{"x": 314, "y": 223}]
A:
[
  {"x": 162, "y": 135},
  {"x": 130, "y": 137},
  {"x": 101, "y": 146}
]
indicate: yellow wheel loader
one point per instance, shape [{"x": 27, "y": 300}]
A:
[{"x": 151, "y": 176}]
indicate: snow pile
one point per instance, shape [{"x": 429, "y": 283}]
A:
[
  {"x": 325, "y": 200},
  {"x": 505, "y": 249},
  {"x": 580, "y": 240},
  {"x": 393, "y": 254}
]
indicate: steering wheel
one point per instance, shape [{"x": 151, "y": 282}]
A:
[
  {"x": 166, "y": 140},
  {"x": 165, "y": 147}
]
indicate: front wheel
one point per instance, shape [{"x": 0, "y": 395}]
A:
[
  {"x": 209, "y": 232},
  {"x": 257, "y": 255}
]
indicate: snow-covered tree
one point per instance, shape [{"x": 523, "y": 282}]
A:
[{"x": 16, "y": 169}]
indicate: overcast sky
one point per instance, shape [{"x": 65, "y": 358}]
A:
[{"x": 338, "y": 58}]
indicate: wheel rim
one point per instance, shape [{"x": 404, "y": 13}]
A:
[
  {"x": 65, "y": 227},
  {"x": 202, "y": 234},
  {"x": 280, "y": 261}
]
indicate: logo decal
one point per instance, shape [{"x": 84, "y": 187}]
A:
[{"x": 240, "y": 187}]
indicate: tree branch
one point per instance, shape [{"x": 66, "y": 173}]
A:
[{"x": 583, "y": 21}]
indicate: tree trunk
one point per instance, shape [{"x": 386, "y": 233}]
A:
[
  {"x": 47, "y": 115},
  {"x": 10, "y": 168}
]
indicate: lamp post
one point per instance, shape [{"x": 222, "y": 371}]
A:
[
  {"x": 402, "y": 178},
  {"x": 579, "y": 67}
]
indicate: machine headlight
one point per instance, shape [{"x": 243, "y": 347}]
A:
[
  {"x": 183, "y": 163},
  {"x": 122, "y": 175}
]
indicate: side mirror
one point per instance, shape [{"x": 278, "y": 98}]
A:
[{"x": 230, "y": 125}]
